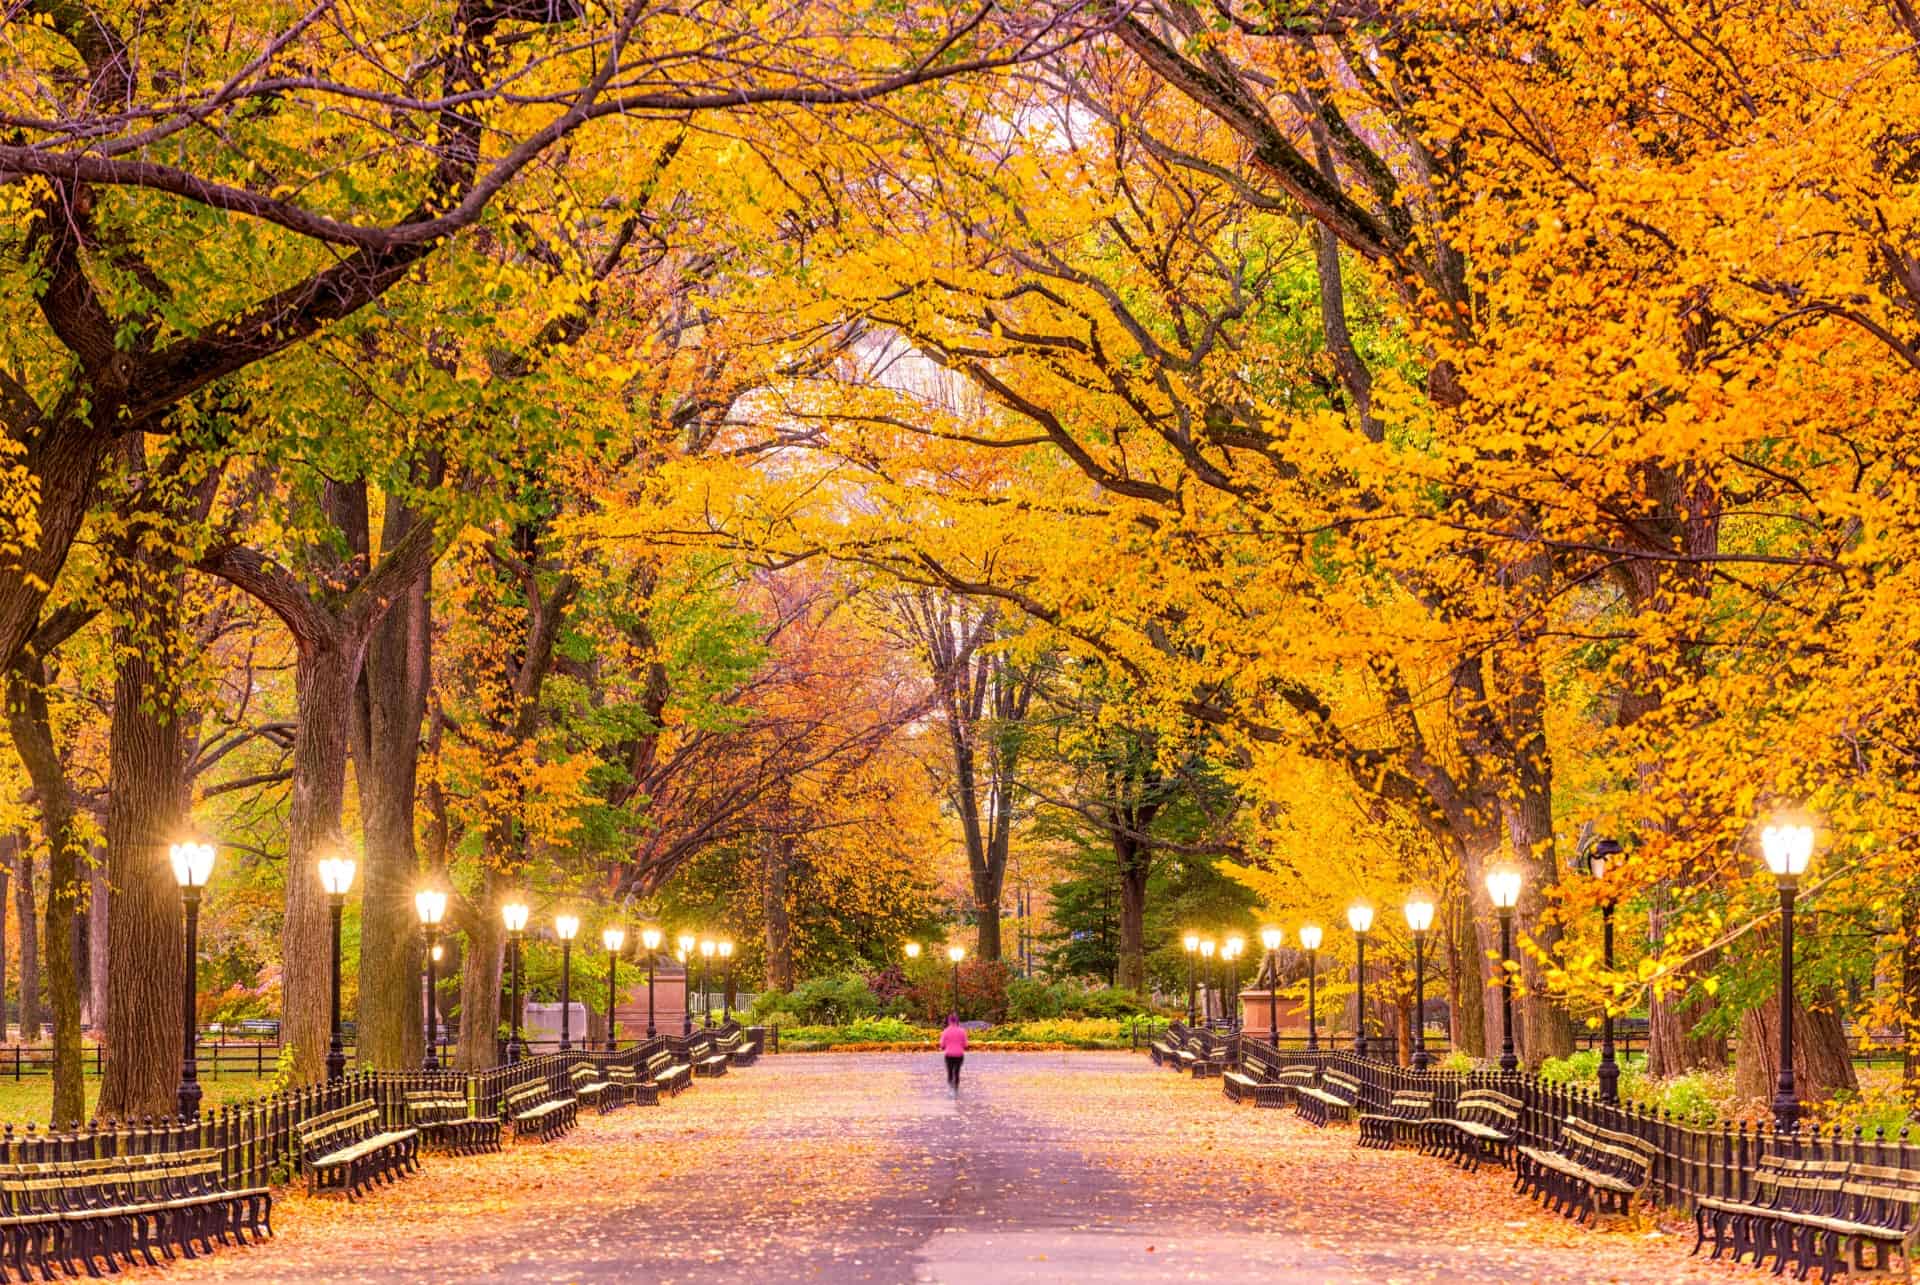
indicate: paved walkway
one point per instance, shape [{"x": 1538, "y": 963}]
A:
[{"x": 854, "y": 1168}]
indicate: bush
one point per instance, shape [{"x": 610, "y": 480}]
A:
[
  {"x": 1113, "y": 1002},
  {"x": 1028, "y": 999},
  {"x": 1080, "y": 1033},
  {"x": 829, "y": 1001},
  {"x": 1457, "y": 1061},
  {"x": 866, "y": 1030}
]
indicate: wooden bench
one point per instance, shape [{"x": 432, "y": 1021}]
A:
[
  {"x": 444, "y": 1119},
  {"x": 537, "y": 1109},
  {"x": 1591, "y": 1171},
  {"x": 1787, "y": 1193},
  {"x": 1818, "y": 1214},
  {"x": 707, "y": 1061},
  {"x": 347, "y": 1149},
  {"x": 1401, "y": 1121},
  {"x": 1480, "y": 1127},
  {"x": 1333, "y": 1099},
  {"x": 590, "y": 1087},
  {"x": 638, "y": 1091},
  {"x": 749, "y": 1048},
  {"x": 1165, "y": 1051},
  {"x": 666, "y": 1074},
  {"x": 70, "y": 1213}
]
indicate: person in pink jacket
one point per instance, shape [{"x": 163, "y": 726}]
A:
[{"x": 953, "y": 1042}]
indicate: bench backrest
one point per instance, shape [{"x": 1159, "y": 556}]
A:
[
  {"x": 1411, "y": 1106},
  {"x": 659, "y": 1061},
  {"x": 1489, "y": 1107},
  {"x": 1294, "y": 1076},
  {"x": 583, "y": 1073},
  {"x": 1619, "y": 1154},
  {"x": 1339, "y": 1082},
  {"x": 1883, "y": 1196},
  {"x": 532, "y": 1093},
  {"x": 339, "y": 1127}
]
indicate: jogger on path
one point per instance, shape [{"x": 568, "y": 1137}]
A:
[{"x": 953, "y": 1042}]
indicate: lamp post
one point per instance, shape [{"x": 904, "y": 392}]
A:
[
  {"x": 1191, "y": 943},
  {"x": 1230, "y": 964},
  {"x": 912, "y": 950},
  {"x": 336, "y": 876},
  {"x": 706, "y": 1005},
  {"x": 1271, "y": 938},
  {"x": 431, "y": 905},
  {"x": 1310, "y": 942},
  {"x": 514, "y": 915},
  {"x": 436, "y": 954},
  {"x": 192, "y": 866},
  {"x": 565, "y": 927},
  {"x": 613, "y": 939},
  {"x": 1599, "y": 860},
  {"x": 956, "y": 954},
  {"x": 686, "y": 943},
  {"x": 1788, "y": 848},
  {"x": 726, "y": 981},
  {"x": 1419, "y": 919},
  {"x": 1207, "y": 949},
  {"x": 650, "y": 938},
  {"x": 1360, "y": 919},
  {"x": 1503, "y": 887}
]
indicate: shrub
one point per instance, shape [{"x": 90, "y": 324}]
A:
[
  {"x": 1457, "y": 1061},
  {"x": 1082, "y": 1032},
  {"x": 1112, "y": 1001},
  {"x": 1028, "y": 999},
  {"x": 827, "y": 1001}
]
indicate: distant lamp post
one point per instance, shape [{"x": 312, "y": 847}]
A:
[
  {"x": 1208, "y": 948},
  {"x": 514, "y": 915},
  {"x": 613, "y": 939},
  {"x": 912, "y": 950},
  {"x": 726, "y": 981},
  {"x": 1271, "y": 938},
  {"x": 1310, "y": 938},
  {"x": 336, "y": 876},
  {"x": 192, "y": 867},
  {"x": 1419, "y": 920},
  {"x": 1600, "y": 859},
  {"x": 650, "y": 938},
  {"x": 706, "y": 1004},
  {"x": 1503, "y": 888},
  {"x": 431, "y": 905},
  {"x": 1360, "y": 919},
  {"x": 686, "y": 943},
  {"x": 1191, "y": 943},
  {"x": 1230, "y": 963},
  {"x": 1788, "y": 849},
  {"x": 566, "y": 928},
  {"x": 955, "y": 954}
]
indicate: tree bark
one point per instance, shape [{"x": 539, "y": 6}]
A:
[
  {"x": 1466, "y": 1000},
  {"x": 9, "y": 853},
  {"x": 1822, "y": 1065},
  {"x": 98, "y": 956},
  {"x": 31, "y": 723},
  {"x": 26, "y": 913},
  {"x": 480, "y": 1001},
  {"x": 1134, "y": 863},
  {"x": 386, "y": 750},
  {"x": 778, "y": 858},
  {"x": 1545, "y": 1028},
  {"x": 324, "y": 674},
  {"x": 146, "y": 808},
  {"x": 1673, "y": 1046}
]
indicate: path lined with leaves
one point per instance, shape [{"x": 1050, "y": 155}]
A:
[{"x": 1049, "y": 1167}]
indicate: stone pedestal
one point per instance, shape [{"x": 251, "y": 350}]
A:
[{"x": 1253, "y": 1015}]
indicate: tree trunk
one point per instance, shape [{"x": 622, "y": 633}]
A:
[
  {"x": 480, "y": 1000},
  {"x": 1822, "y": 1065},
  {"x": 986, "y": 905},
  {"x": 324, "y": 674},
  {"x": 9, "y": 853},
  {"x": 146, "y": 806},
  {"x": 392, "y": 702},
  {"x": 1673, "y": 1047},
  {"x": 26, "y": 913},
  {"x": 98, "y": 958},
  {"x": 777, "y": 912},
  {"x": 1545, "y": 1029},
  {"x": 1466, "y": 1000},
  {"x": 31, "y": 723},
  {"x": 1134, "y": 864}
]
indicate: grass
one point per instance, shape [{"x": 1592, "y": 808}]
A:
[{"x": 26, "y": 1100}]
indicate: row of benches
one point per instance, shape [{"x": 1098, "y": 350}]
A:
[
  {"x": 1828, "y": 1215},
  {"x": 545, "y": 1110}
]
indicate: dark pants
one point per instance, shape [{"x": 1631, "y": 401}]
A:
[{"x": 953, "y": 1070}]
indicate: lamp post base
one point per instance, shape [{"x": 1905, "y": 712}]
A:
[
  {"x": 188, "y": 1098},
  {"x": 1609, "y": 1079},
  {"x": 336, "y": 1063}
]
